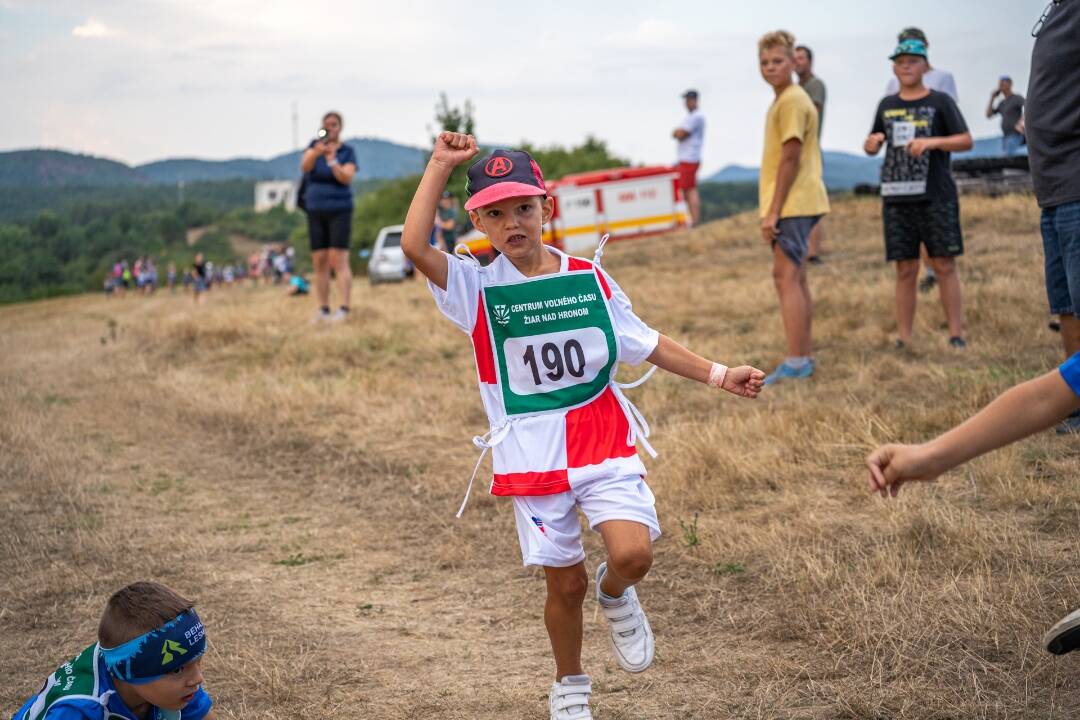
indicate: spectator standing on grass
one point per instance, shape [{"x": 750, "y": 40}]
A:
[
  {"x": 920, "y": 208},
  {"x": 934, "y": 79},
  {"x": 691, "y": 137},
  {"x": 170, "y": 277},
  {"x": 1052, "y": 120},
  {"x": 330, "y": 166},
  {"x": 792, "y": 198},
  {"x": 447, "y": 220},
  {"x": 1011, "y": 109},
  {"x": 815, "y": 88},
  {"x": 200, "y": 277}
]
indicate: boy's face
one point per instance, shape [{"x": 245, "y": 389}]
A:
[
  {"x": 909, "y": 69},
  {"x": 514, "y": 225},
  {"x": 776, "y": 66},
  {"x": 175, "y": 690}
]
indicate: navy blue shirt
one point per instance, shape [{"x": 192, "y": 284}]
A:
[{"x": 323, "y": 191}]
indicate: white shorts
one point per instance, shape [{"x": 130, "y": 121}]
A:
[{"x": 548, "y": 526}]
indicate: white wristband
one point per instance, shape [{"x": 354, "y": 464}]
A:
[
  {"x": 332, "y": 162},
  {"x": 717, "y": 375}
]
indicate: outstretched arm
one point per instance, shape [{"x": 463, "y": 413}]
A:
[
  {"x": 1018, "y": 412},
  {"x": 451, "y": 150},
  {"x": 669, "y": 355}
]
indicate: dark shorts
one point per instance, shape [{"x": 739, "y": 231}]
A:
[
  {"x": 794, "y": 237},
  {"x": 688, "y": 175},
  {"x": 329, "y": 229},
  {"x": 935, "y": 224},
  {"x": 1061, "y": 248}
]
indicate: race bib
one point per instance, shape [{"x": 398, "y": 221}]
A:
[{"x": 553, "y": 339}]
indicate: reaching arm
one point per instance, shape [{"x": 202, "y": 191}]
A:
[
  {"x": 669, "y": 355},
  {"x": 990, "y": 109},
  {"x": 1018, "y": 412},
  {"x": 451, "y": 149}
]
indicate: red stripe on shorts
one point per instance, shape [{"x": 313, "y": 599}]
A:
[{"x": 549, "y": 482}]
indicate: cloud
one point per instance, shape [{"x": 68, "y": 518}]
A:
[
  {"x": 648, "y": 34},
  {"x": 92, "y": 28}
]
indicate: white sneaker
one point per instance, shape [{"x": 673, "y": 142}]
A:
[
  {"x": 631, "y": 637},
  {"x": 340, "y": 315},
  {"x": 569, "y": 698}
]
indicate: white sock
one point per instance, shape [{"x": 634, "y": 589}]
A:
[{"x": 797, "y": 361}]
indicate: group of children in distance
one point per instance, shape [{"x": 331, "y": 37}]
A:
[{"x": 548, "y": 331}]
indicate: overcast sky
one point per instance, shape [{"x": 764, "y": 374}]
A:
[{"x": 140, "y": 80}]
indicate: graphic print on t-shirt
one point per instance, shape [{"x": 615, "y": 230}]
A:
[{"x": 902, "y": 173}]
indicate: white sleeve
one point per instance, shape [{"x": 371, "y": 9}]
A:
[
  {"x": 460, "y": 301},
  {"x": 636, "y": 339},
  {"x": 948, "y": 86}
]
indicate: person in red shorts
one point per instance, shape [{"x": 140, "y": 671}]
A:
[{"x": 691, "y": 136}]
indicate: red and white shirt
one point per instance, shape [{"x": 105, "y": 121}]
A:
[{"x": 543, "y": 454}]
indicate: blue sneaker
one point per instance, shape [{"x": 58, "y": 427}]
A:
[
  {"x": 786, "y": 372},
  {"x": 1070, "y": 425}
]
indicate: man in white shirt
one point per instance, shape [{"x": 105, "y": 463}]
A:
[
  {"x": 691, "y": 136},
  {"x": 934, "y": 79}
]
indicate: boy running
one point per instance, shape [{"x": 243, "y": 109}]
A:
[
  {"x": 1019, "y": 412},
  {"x": 548, "y": 331},
  {"x": 919, "y": 199},
  {"x": 792, "y": 197},
  {"x": 146, "y": 664}
]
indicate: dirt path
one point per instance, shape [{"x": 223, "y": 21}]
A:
[{"x": 300, "y": 483}]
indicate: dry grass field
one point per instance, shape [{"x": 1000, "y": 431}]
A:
[{"x": 300, "y": 483}]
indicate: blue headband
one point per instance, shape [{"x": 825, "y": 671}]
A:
[{"x": 158, "y": 652}]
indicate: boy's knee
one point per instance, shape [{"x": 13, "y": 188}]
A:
[
  {"x": 907, "y": 270},
  {"x": 631, "y": 564},
  {"x": 943, "y": 266},
  {"x": 571, "y": 586}
]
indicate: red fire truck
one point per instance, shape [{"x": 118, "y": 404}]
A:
[{"x": 625, "y": 203}]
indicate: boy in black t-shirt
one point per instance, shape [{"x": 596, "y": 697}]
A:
[{"x": 921, "y": 127}]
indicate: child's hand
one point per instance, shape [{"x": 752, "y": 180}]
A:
[
  {"x": 893, "y": 465},
  {"x": 873, "y": 143},
  {"x": 453, "y": 149},
  {"x": 918, "y": 146},
  {"x": 744, "y": 381}
]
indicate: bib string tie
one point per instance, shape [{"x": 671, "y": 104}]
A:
[
  {"x": 638, "y": 427},
  {"x": 485, "y": 442}
]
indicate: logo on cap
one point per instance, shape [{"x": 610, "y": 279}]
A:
[{"x": 498, "y": 167}]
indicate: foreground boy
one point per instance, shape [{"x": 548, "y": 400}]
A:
[
  {"x": 1021, "y": 411},
  {"x": 919, "y": 199},
  {"x": 792, "y": 197},
  {"x": 146, "y": 664},
  {"x": 548, "y": 331}
]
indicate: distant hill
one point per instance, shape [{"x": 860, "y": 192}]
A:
[
  {"x": 844, "y": 171},
  {"x": 376, "y": 159},
  {"x": 56, "y": 168}
]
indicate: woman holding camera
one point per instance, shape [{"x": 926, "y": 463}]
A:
[{"x": 328, "y": 201}]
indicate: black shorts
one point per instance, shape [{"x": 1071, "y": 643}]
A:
[
  {"x": 935, "y": 224},
  {"x": 329, "y": 229}
]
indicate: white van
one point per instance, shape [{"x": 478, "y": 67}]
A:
[{"x": 388, "y": 262}]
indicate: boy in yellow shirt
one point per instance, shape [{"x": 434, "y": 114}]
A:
[{"x": 791, "y": 195}]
